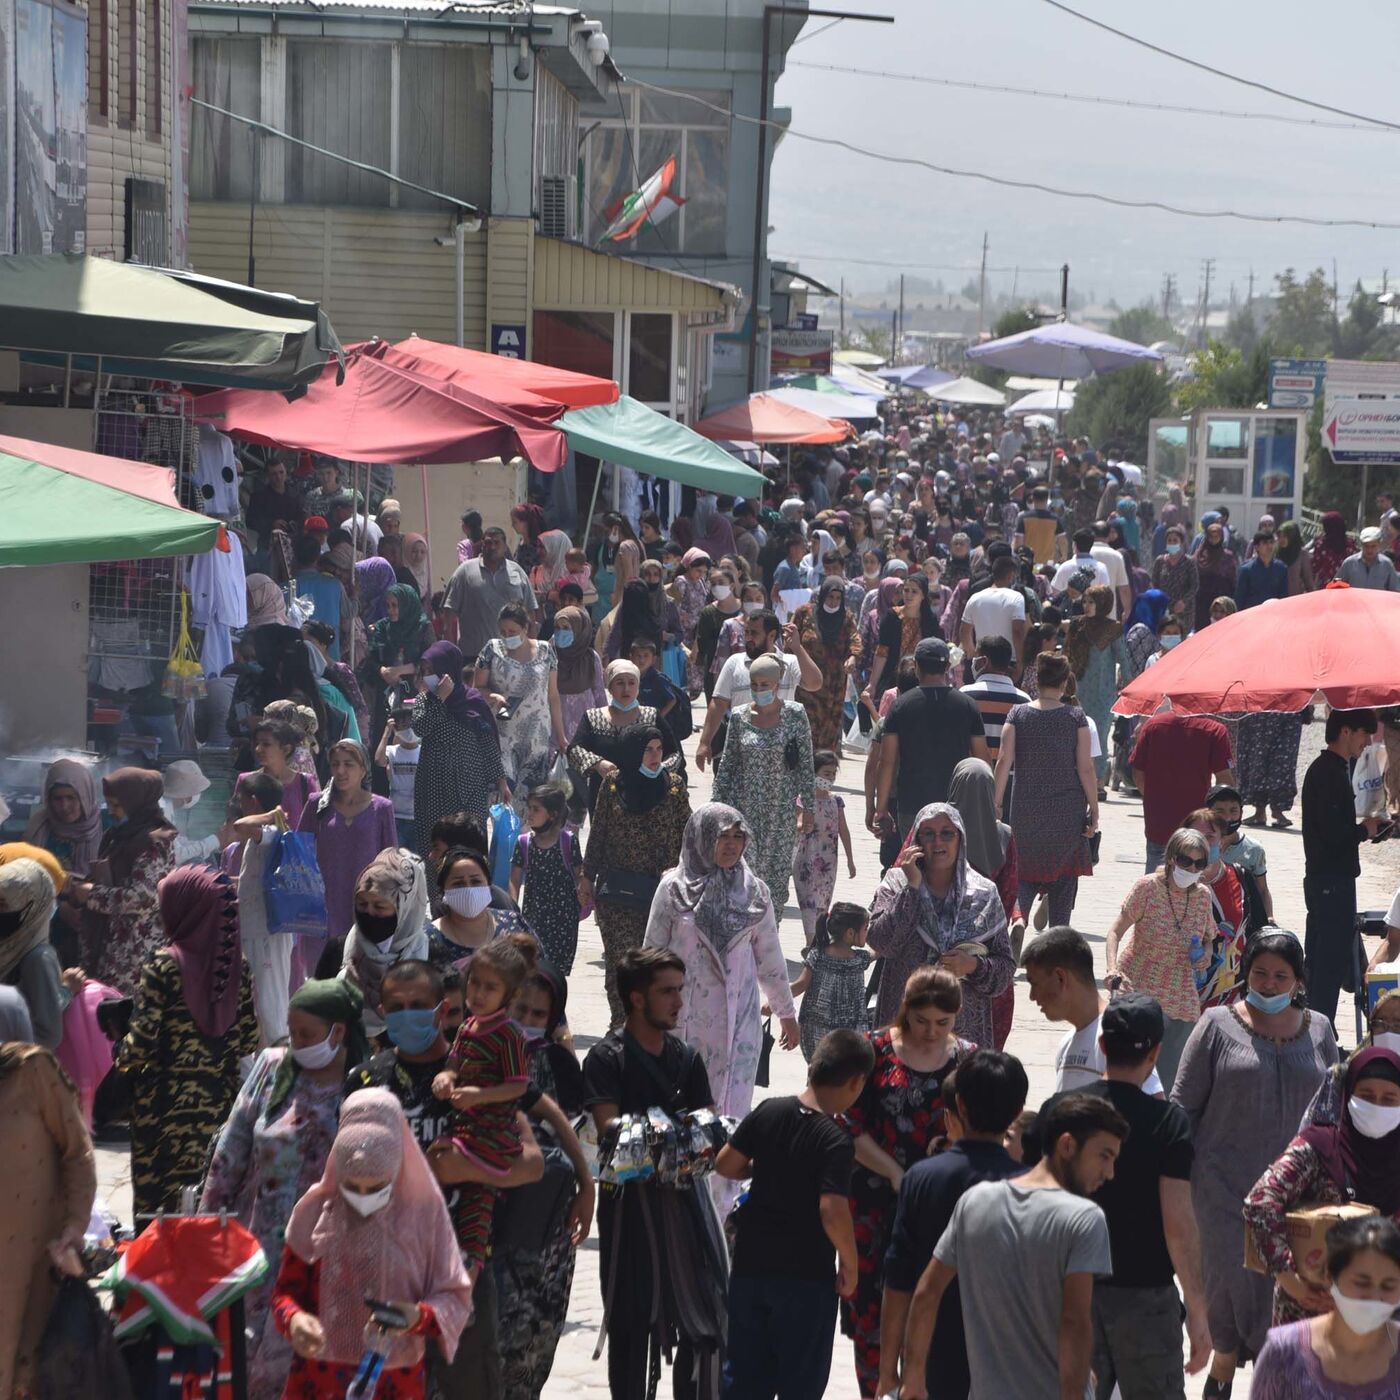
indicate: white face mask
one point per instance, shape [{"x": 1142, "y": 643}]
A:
[
  {"x": 316, "y": 1056},
  {"x": 512, "y": 643},
  {"x": 1184, "y": 878},
  {"x": 1373, "y": 1120},
  {"x": 406, "y": 736},
  {"x": 752, "y": 608},
  {"x": 833, "y": 607},
  {"x": 1387, "y": 1040},
  {"x": 468, "y": 902},
  {"x": 371, "y": 1201},
  {"x": 721, "y": 591},
  {"x": 1362, "y": 1315}
]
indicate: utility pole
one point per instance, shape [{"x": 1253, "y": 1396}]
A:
[
  {"x": 1168, "y": 288},
  {"x": 900, "y": 341},
  {"x": 1208, "y": 266},
  {"x": 843, "y": 311},
  {"x": 1250, "y": 302},
  {"x": 894, "y": 335},
  {"x": 982, "y": 290},
  {"x": 1336, "y": 303}
]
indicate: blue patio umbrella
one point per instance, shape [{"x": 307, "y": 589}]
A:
[{"x": 1061, "y": 350}]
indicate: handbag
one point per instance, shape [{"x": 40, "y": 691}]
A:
[
  {"x": 765, "y": 1055},
  {"x": 505, "y": 827},
  {"x": 629, "y": 889},
  {"x": 294, "y": 890}
]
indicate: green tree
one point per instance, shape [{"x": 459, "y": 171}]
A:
[
  {"x": 1361, "y": 334},
  {"x": 1223, "y": 377},
  {"x": 1142, "y": 325},
  {"x": 1242, "y": 332},
  {"x": 1305, "y": 322},
  {"x": 1013, "y": 322},
  {"x": 1116, "y": 408}
]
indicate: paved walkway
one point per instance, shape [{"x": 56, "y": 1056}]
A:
[{"x": 576, "y": 1376}]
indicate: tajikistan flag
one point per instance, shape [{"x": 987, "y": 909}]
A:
[{"x": 650, "y": 204}]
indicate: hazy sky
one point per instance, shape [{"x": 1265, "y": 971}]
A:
[{"x": 829, "y": 205}]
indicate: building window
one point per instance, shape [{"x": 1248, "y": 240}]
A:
[
  {"x": 652, "y": 129},
  {"x": 128, "y": 61},
  {"x": 155, "y": 97},
  {"x": 99, "y": 59},
  {"x": 338, "y": 98},
  {"x": 146, "y": 240},
  {"x": 576, "y": 340},
  {"x": 228, "y": 74},
  {"x": 445, "y": 123},
  {"x": 649, "y": 357}
]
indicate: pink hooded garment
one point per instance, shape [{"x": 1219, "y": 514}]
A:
[{"x": 406, "y": 1252}]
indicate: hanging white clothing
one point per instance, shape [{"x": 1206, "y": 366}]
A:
[
  {"x": 216, "y": 474},
  {"x": 218, "y": 601}
]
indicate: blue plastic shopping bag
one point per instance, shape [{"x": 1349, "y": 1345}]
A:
[
  {"x": 505, "y": 827},
  {"x": 293, "y": 889},
  {"x": 673, "y": 664}
]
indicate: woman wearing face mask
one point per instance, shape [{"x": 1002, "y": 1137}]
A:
[
  {"x": 829, "y": 636},
  {"x": 596, "y": 749},
  {"x": 468, "y": 920},
  {"x": 1245, "y": 1078},
  {"x": 375, "y": 1225},
  {"x": 1097, "y": 655},
  {"x": 765, "y": 767},
  {"x": 192, "y": 1024},
  {"x": 724, "y": 605},
  {"x": 1383, "y": 1030},
  {"x": 1216, "y": 568},
  {"x": 519, "y": 676},
  {"x": 1292, "y": 552},
  {"x": 1352, "y": 1351},
  {"x": 691, "y": 591},
  {"x": 1356, "y": 1160},
  {"x": 1175, "y": 572},
  {"x": 274, "y": 1146},
  {"x": 1172, "y": 928},
  {"x": 396, "y": 646},
  {"x": 617, "y": 560},
  {"x": 391, "y": 923},
  {"x": 580, "y": 674},
  {"x": 752, "y": 599}
]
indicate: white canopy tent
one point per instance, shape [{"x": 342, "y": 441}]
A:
[{"x": 968, "y": 393}]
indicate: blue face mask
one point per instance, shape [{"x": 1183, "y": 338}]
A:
[
  {"x": 764, "y": 697},
  {"x": 1271, "y": 1006},
  {"x": 1170, "y": 640},
  {"x": 625, "y": 705},
  {"x": 1214, "y": 851},
  {"x": 1173, "y": 547},
  {"x": 563, "y": 639},
  {"x": 649, "y": 772},
  {"x": 412, "y": 1031}
]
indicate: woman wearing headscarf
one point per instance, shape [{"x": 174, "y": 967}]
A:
[
  {"x": 552, "y": 546},
  {"x": 719, "y": 916},
  {"x": 1216, "y": 568},
  {"x": 691, "y": 590},
  {"x": 28, "y": 962},
  {"x": 1330, "y": 548},
  {"x": 765, "y": 767},
  {"x": 933, "y": 907},
  {"x": 415, "y": 560},
  {"x": 68, "y": 823},
  {"x": 1176, "y": 574},
  {"x": 635, "y": 617},
  {"x": 580, "y": 673},
  {"x": 1096, "y": 655},
  {"x": 375, "y": 1225},
  {"x": 829, "y": 636},
  {"x": 396, "y": 646},
  {"x": 596, "y": 748},
  {"x": 459, "y": 766},
  {"x": 991, "y": 851},
  {"x": 899, "y": 634},
  {"x": 714, "y": 531},
  {"x": 887, "y": 596},
  {"x": 50, "y": 1186},
  {"x": 391, "y": 924},
  {"x": 274, "y": 1146},
  {"x": 374, "y": 577},
  {"x": 121, "y": 923},
  {"x": 1354, "y": 1161},
  {"x": 636, "y": 833},
  {"x": 617, "y": 560},
  {"x": 265, "y": 602},
  {"x": 192, "y": 1023},
  {"x": 1298, "y": 559}
]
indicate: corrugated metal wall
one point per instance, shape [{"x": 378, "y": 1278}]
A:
[{"x": 571, "y": 277}]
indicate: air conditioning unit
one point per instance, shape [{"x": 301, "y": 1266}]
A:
[{"x": 558, "y": 202}]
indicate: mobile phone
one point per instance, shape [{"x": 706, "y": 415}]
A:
[
  {"x": 507, "y": 711},
  {"x": 387, "y": 1314},
  {"x": 1382, "y": 832}
]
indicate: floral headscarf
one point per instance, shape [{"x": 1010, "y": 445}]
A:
[
  {"x": 724, "y": 902},
  {"x": 24, "y": 885},
  {"x": 397, "y": 875}
]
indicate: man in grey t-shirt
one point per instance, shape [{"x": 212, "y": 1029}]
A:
[
  {"x": 1025, "y": 1253},
  {"x": 478, "y": 591}
]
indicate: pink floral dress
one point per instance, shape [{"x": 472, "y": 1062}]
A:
[{"x": 815, "y": 857}]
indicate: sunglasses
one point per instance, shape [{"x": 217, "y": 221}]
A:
[{"x": 1186, "y": 863}]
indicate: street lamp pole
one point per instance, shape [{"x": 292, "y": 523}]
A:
[{"x": 761, "y": 184}]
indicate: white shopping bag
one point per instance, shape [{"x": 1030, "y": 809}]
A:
[{"x": 1368, "y": 782}]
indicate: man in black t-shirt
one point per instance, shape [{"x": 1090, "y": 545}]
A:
[
  {"x": 1151, "y": 1223},
  {"x": 926, "y": 734},
  {"x": 782, "y": 1305},
  {"x": 640, "y": 1067},
  {"x": 414, "y": 1010}
]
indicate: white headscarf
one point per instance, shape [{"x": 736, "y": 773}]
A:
[
  {"x": 24, "y": 884},
  {"x": 399, "y": 875},
  {"x": 724, "y": 902}
]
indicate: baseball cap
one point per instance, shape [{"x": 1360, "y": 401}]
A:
[
  {"x": 1133, "y": 1023},
  {"x": 1371, "y": 535},
  {"x": 931, "y": 654}
]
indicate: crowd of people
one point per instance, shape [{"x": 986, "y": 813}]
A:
[{"x": 938, "y": 618}]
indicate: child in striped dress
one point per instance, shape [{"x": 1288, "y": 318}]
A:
[{"x": 486, "y": 1074}]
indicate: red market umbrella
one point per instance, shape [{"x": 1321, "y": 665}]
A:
[
  {"x": 1277, "y": 656},
  {"x": 520, "y": 383},
  {"x": 762, "y": 418},
  {"x": 386, "y": 413}
]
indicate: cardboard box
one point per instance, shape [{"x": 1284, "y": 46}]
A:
[
  {"x": 1307, "y": 1237},
  {"x": 1385, "y": 978}
]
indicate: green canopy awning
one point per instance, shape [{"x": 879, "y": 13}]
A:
[
  {"x": 630, "y": 433},
  {"x": 60, "y": 506},
  {"x": 161, "y": 325}
]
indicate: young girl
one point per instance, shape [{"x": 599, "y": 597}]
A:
[
  {"x": 579, "y": 571},
  {"x": 833, "y": 979},
  {"x": 814, "y": 856},
  {"x": 546, "y": 860},
  {"x": 485, "y": 1076}
]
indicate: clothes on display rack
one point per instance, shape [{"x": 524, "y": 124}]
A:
[
  {"x": 218, "y": 601},
  {"x": 216, "y": 474}
]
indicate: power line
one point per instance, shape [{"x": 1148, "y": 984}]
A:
[
  {"x": 1219, "y": 72},
  {"x": 922, "y": 267},
  {"x": 1091, "y": 99},
  {"x": 1007, "y": 182}
]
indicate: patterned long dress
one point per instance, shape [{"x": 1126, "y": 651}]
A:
[
  {"x": 901, "y": 1111},
  {"x": 527, "y": 737},
  {"x": 133, "y": 928},
  {"x": 1179, "y": 582},
  {"x": 693, "y": 594},
  {"x": 262, "y": 1166},
  {"x": 1097, "y": 689},
  {"x": 824, "y": 707},
  {"x": 816, "y": 859},
  {"x": 182, "y": 1083},
  {"x": 1047, "y": 803},
  {"x": 755, "y": 776},
  {"x": 458, "y": 770},
  {"x": 1266, "y": 758}
]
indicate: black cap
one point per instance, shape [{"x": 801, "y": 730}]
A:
[
  {"x": 932, "y": 654},
  {"x": 1133, "y": 1024}
]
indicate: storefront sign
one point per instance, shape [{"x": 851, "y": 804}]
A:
[
  {"x": 508, "y": 341},
  {"x": 1362, "y": 430},
  {"x": 801, "y": 352}
]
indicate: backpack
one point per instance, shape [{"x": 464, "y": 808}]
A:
[{"x": 566, "y": 849}]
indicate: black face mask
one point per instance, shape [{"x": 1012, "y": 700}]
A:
[
  {"x": 12, "y": 920},
  {"x": 377, "y": 928},
  {"x": 1233, "y": 827}
]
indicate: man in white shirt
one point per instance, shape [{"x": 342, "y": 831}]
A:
[
  {"x": 998, "y": 611},
  {"x": 800, "y": 672},
  {"x": 1083, "y": 558},
  {"x": 1012, "y": 443},
  {"x": 1117, "y": 569},
  {"x": 1059, "y": 968}
]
